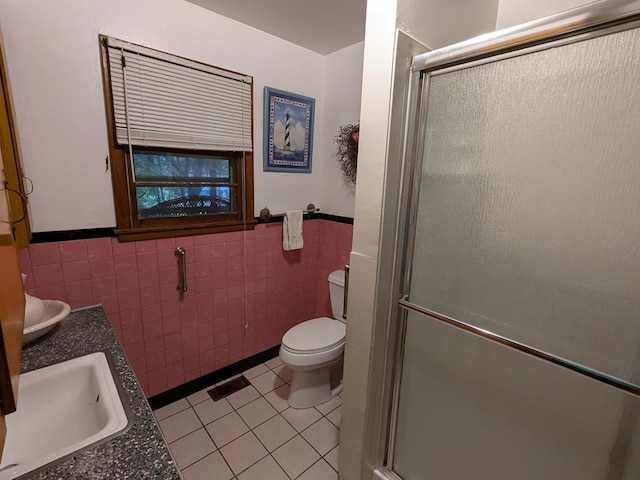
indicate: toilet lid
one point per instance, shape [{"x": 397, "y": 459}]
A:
[{"x": 317, "y": 334}]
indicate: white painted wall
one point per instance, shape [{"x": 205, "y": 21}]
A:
[
  {"x": 513, "y": 12},
  {"x": 342, "y": 90},
  {"x": 53, "y": 62},
  {"x": 437, "y": 23}
]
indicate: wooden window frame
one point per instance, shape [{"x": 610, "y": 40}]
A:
[{"x": 131, "y": 228}]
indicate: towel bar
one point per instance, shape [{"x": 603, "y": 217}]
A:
[{"x": 265, "y": 214}]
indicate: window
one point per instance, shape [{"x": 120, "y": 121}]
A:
[
  {"x": 181, "y": 185},
  {"x": 180, "y": 135}
]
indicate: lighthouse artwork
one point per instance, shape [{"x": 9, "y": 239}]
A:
[
  {"x": 288, "y": 138},
  {"x": 287, "y": 131}
]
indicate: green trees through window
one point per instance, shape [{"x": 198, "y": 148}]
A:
[{"x": 173, "y": 185}]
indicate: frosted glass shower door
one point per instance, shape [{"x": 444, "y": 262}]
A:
[{"x": 527, "y": 227}]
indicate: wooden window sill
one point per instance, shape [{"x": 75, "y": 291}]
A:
[{"x": 151, "y": 233}]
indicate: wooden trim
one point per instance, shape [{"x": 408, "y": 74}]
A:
[
  {"x": 137, "y": 234},
  {"x": 181, "y": 182},
  {"x": 11, "y": 158},
  {"x": 12, "y": 304},
  {"x": 248, "y": 167},
  {"x": 6, "y": 240},
  {"x": 160, "y": 228},
  {"x": 117, "y": 156},
  {"x": 129, "y": 226},
  {"x": 165, "y": 223},
  {"x": 3, "y": 432},
  {"x": 8, "y": 396}
]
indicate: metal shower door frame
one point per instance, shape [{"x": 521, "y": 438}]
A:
[{"x": 575, "y": 25}]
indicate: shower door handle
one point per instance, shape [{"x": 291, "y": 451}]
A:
[
  {"x": 346, "y": 292},
  {"x": 181, "y": 255}
]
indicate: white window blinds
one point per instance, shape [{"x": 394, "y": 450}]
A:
[{"x": 160, "y": 100}]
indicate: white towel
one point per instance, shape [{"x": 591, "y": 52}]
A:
[{"x": 292, "y": 231}]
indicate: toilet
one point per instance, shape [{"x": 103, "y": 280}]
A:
[{"x": 311, "y": 348}]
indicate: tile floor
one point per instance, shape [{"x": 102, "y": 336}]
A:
[{"x": 253, "y": 434}]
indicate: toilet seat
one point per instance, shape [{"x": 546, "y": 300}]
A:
[{"x": 314, "y": 336}]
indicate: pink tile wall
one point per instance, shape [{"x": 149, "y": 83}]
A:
[
  {"x": 334, "y": 247},
  {"x": 244, "y": 293}
]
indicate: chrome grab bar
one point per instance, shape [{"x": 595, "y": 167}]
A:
[
  {"x": 181, "y": 255},
  {"x": 345, "y": 301},
  {"x": 534, "y": 352}
]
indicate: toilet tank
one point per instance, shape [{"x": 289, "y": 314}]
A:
[{"x": 336, "y": 293}]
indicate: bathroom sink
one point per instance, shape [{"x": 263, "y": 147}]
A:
[
  {"x": 62, "y": 408},
  {"x": 42, "y": 317}
]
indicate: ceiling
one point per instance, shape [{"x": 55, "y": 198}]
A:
[{"x": 323, "y": 26}]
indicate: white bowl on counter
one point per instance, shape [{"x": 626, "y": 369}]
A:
[{"x": 41, "y": 316}]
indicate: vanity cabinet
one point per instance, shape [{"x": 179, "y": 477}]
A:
[
  {"x": 13, "y": 206},
  {"x": 12, "y": 305},
  {"x": 13, "y": 178}
]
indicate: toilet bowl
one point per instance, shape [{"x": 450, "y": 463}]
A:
[{"x": 312, "y": 347}]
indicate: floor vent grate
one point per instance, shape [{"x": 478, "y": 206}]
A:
[{"x": 228, "y": 388}]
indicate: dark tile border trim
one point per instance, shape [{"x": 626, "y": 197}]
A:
[
  {"x": 334, "y": 218},
  {"x": 313, "y": 216},
  {"x": 64, "y": 235},
  {"x": 200, "y": 383}
]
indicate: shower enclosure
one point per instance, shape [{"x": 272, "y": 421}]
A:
[{"x": 513, "y": 344}]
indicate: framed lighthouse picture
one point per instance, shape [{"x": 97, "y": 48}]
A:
[{"x": 288, "y": 131}]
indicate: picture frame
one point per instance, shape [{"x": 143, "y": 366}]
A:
[{"x": 288, "y": 131}]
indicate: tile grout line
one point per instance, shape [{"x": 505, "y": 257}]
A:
[
  {"x": 234, "y": 410},
  {"x": 186, "y": 434},
  {"x": 251, "y": 430},
  {"x": 314, "y": 448},
  {"x": 278, "y": 463},
  {"x": 244, "y": 405},
  {"x": 298, "y": 434},
  {"x": 218, "y": 449},
  {"x": 198, "y": 417},
  {"x": 311, "y": 466},
  {"x": 193, "y": 463},
  {"x": 215, "y": 448},
  {"x": 331, "y": 423}
]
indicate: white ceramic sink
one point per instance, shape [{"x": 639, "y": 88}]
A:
[{"x": 61, "y": 409}]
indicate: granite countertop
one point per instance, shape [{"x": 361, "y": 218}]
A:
[{"x": 140, "y": 451}]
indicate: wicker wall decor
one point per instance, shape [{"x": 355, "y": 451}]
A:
[{"x": 347, "y": 142}]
